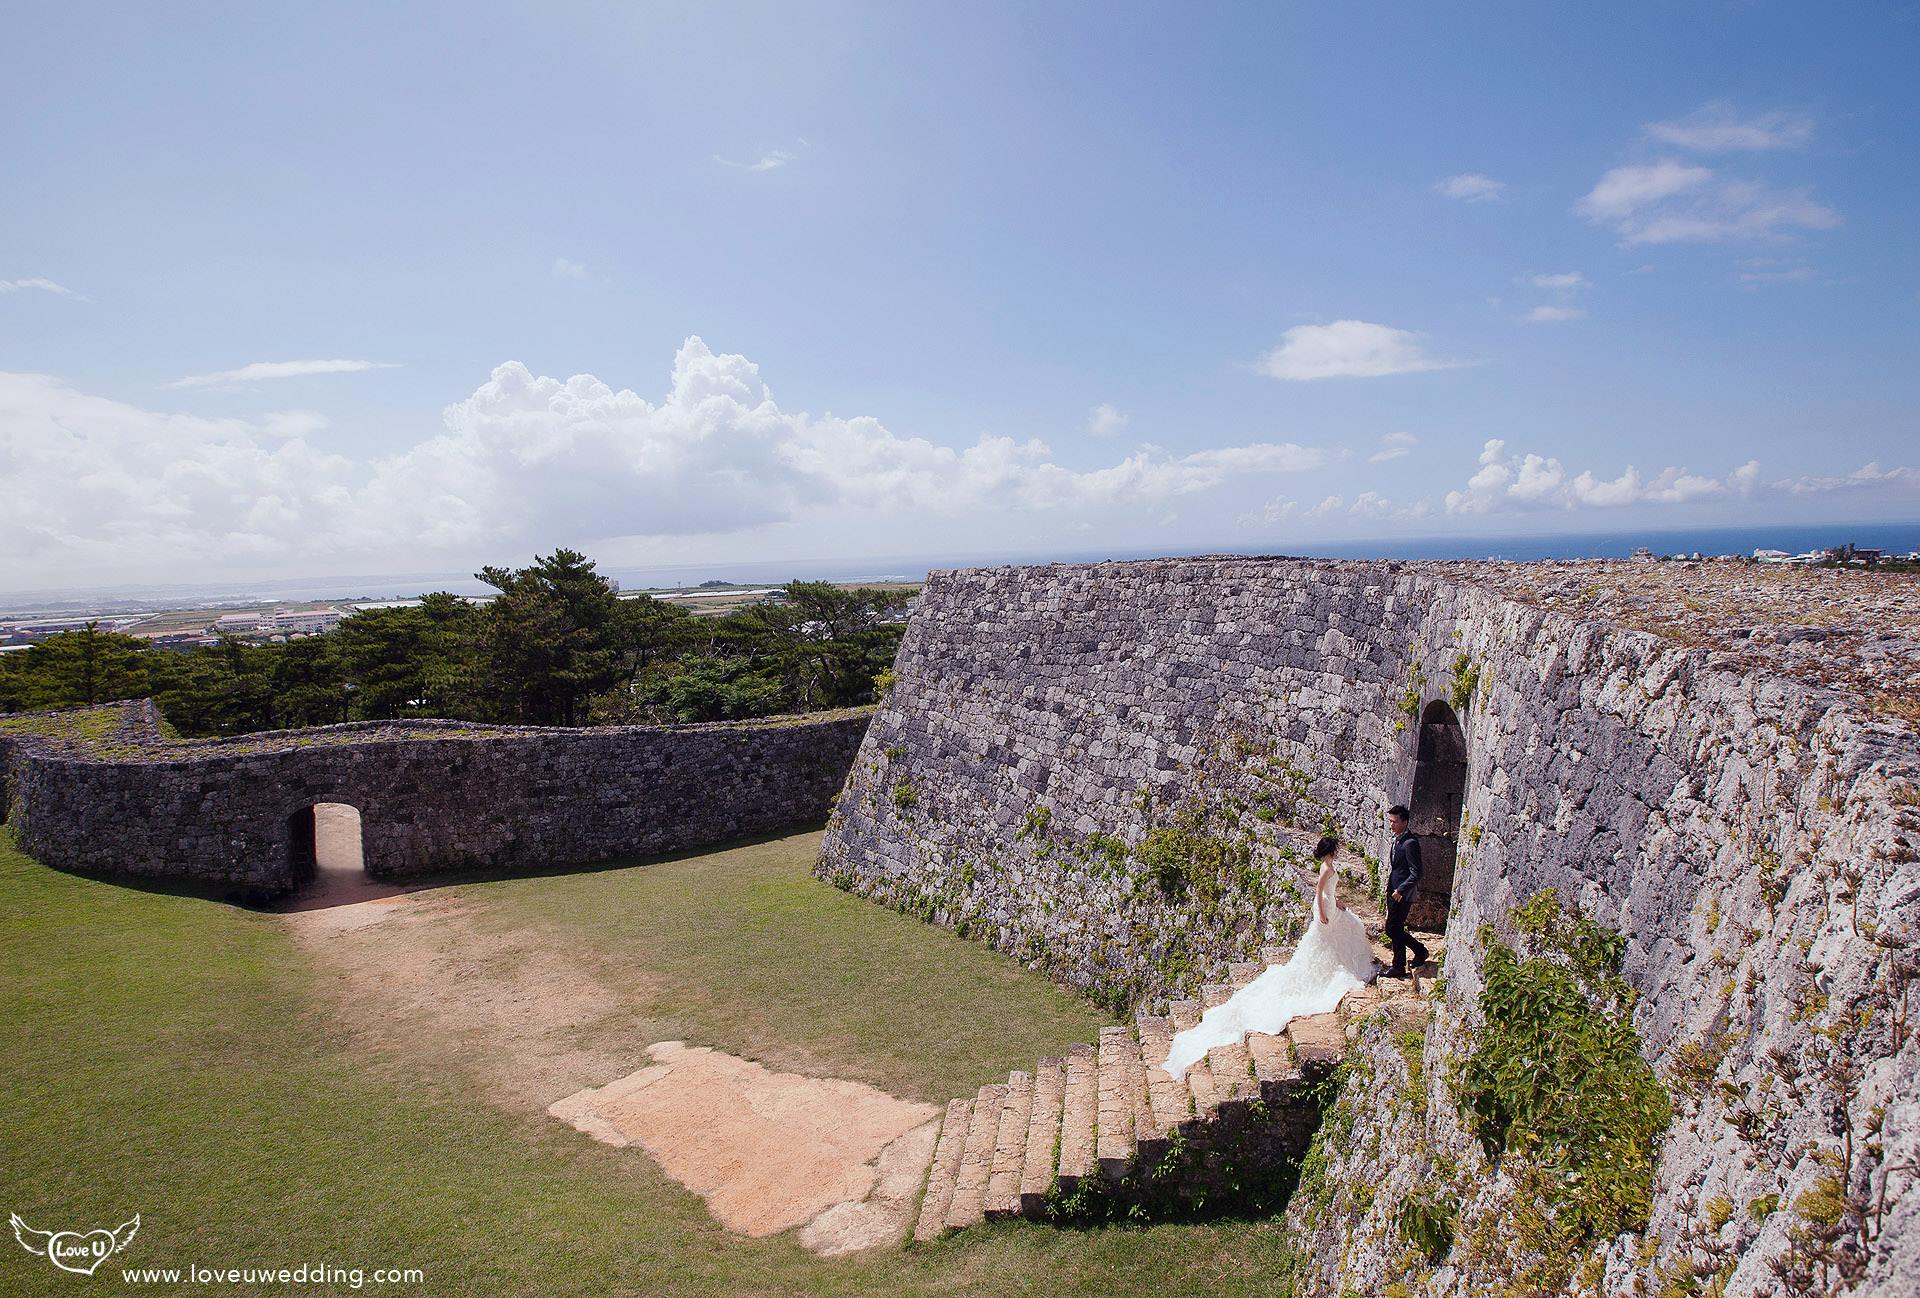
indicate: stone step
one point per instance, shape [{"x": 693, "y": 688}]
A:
[
  {"x": 1043, "y": 1135},
  {"x": 1318, "y": 1040},
  {"x": 1183, "y": 1014},
  {"x": 1232, "y": 1069},
  {"x": 1156, "y": 1037},
  {"x": 1121, "y": 1090},
  {"x": 945, "y": 1171},
  {"x": 1080, "y": 1107},
  {"x": 1212, "y": 994},
  {"x": 976, "y": 1159},
  {"x": 1273, "y": 1062},
  {"x": 1010, "y": 1147},
  {"x": 1200, "y": 1085},
  {"x": 1242, "y": 972},
  {"x": 1166, "y": 1104}
]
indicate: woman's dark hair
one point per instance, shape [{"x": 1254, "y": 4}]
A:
[{"x": 1326, "y": 847}]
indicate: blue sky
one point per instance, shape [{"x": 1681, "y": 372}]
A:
[{"x": 326, "y": 288}]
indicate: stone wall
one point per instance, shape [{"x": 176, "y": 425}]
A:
[
  {"x": 99, "y": 792},
  {"x": 1753, "y": 839}
]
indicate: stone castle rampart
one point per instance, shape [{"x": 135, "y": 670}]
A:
[
  {"x": 1058, "y": 735},
  {"x": 99, "y": 791}
]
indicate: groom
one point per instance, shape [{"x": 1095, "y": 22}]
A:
[{"x": 1403, "y": 882}]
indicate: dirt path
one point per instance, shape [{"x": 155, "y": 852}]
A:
[{"x": 413, "y": 975}]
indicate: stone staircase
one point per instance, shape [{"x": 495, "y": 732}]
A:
[{"x": 1111, "y": 1111}]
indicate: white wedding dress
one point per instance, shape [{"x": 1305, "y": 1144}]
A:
[{"x": 1333, "y": 959}]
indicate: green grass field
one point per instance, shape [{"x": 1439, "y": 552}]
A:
[{"x": 177, "y": 1058}]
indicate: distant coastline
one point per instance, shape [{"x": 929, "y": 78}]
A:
[{"x": 1794, "y": 538}]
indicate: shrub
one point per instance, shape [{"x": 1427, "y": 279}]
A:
[{"x": 1556, "y": 1082}]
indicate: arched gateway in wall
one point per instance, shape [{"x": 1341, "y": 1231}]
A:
[{"x": 1439, "y": 794}]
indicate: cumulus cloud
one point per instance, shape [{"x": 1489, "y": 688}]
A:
[
  {"x": 38, "y": 284},
  {"x": 1368, "y": 505},
  {"x": 1105, "y": 420},
  {"x": 1717, "y": 128},
  {"x": 1565, "y": 281},
  {"x": 1678, "y": 202},
  {"x": 1555, "y": 313},
  {"x": 524, "y": 460},
  {"x": 1867, "y": 475},
  {"x": 87, "y": 480},
  {"x": 567, "y": 268},
  {"x": 1470, "y": 187},
  {"x": 1349, "y": 349},
  {"x": 1392, "y": 447},
  {"x": 1504, "y": 482},
  {"x": 277, "y": 370}
]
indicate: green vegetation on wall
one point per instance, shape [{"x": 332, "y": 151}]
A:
[{"x": 1557, "y": 1091}]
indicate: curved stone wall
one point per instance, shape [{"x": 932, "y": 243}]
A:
[
  {"x": 98, "y": 791},
  {"x": 1753, "y": 839}
]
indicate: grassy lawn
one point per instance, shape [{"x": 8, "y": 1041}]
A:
[{"x": 172, "y": 1057}]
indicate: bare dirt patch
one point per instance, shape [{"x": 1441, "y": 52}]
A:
[
  {"x": 420, "y": 975},
  {"x": 411, "y": 973},
  {"x": 770, "y": 1151}
]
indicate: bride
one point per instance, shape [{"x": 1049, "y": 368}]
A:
[{"x": 1333, "y": 959}]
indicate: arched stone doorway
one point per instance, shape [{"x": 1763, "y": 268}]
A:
[
  {"x": 324, "y": 843},
  {"x": 1439, "y": 794}
]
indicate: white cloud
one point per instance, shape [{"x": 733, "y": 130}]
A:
[
  {"x": 1626, "y": 190},
  {"x": 524, "y": 461},
  {"x": 1105, "y": 420},
  {"x": 1366, "y": 505},
  {"x": 567, "y": 268},
  {"x": 277, "y": 370},
  {"x": 1716, "y": 128},
  {"x": 40, "y": 285},
  {"x": 1503, "y": 483},
  {"x": 1555, "y": 314},
  {"x": 1392, "y": 447},
  {"x": 1349, "y": 349},
  {"x": 1676, "y": 202},
  {"x": 1563, "y": 282},
  {"x": 771, "y": 160},
  {"x": 1867, "y": 475},
  {"x": 1278, "y": 510},
  {"x": 1471, "y": 187}
]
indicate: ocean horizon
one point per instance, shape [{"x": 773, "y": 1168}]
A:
[{"x": 1900, "y": 537}]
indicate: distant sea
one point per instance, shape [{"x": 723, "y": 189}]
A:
[{"x": 1795, "y": 538}]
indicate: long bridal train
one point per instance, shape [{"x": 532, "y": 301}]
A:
[{"x": 1334, "y": 958}]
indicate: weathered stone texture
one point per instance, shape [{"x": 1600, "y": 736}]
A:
[
  {"x": 433, "y": 796},
  {"x": 1752, "y": 837}
]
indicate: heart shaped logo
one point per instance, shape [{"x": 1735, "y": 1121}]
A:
[{"x": 71, "y": 1251}]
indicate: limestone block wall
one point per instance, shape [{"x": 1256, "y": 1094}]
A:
[
  {"x": 433, "y": 796},
  {"x": 1103, "y": 700},
  {"x": 1753, "y": 839}
]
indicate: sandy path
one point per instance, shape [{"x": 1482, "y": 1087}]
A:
[{"x": 412, "y": 975}]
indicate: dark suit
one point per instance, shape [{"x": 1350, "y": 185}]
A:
[{"x": 1403, "y": 877}]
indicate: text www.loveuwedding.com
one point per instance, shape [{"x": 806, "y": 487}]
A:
[{"x": 351, "y": 1277}]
